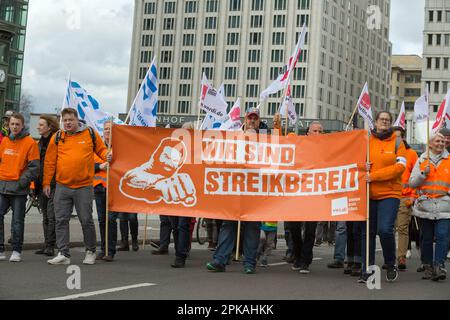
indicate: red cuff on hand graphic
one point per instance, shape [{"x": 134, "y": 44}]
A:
[{"x": 159, "y": 179}]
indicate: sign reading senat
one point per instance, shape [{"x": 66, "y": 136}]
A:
[{"x": 237, "y": 176}]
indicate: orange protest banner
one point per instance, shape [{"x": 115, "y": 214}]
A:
[{"x": 237, "y": 176}]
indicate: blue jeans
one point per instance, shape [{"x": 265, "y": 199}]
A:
[
  {"x": 100, "y": 202},
  {"x": 383, "y": 214},
  {"x": 181, "y": 235},
  {"x": 227, "y": 238},
  {"x": 439, "y": 230},
  {"x": 341, "y": 241},
  {"x": 17, "y": 204}
]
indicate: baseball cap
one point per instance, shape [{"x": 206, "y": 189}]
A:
[
  {"x": 445, "y": 132},
  {"x": 252, "y": 111},
  {"x": 8, "y": 114}
]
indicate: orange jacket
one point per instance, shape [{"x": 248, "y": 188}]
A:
[
  {"x": 437, "y": 183},
  {"x": 100, "y": 177},
  {"x": 411, "y": 159},
  {"x": 387, "y": 168},
  {"x": 15, "y": 157},
  {"x": 73, "y": 159}
]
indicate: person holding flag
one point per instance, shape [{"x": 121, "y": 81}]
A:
[{"x": 385, "y": 168}]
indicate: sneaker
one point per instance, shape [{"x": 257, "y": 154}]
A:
[
  {"x": 427, "y": 272},
  {"x": 364, "y": 277},
  {"x": 440, "y": 273},
  {"x": 2, "y": 256},
  {"x": 304, "y": 269},
  {"x": 408, "y": 254},
  {"x": 211, "y": 246},
  {"x": 135, "y": 246},
  {"x": 296, "y": 266},
  {"x": 402, "y": 264},
  {"x": 392, "y": 274},
  {"x": 336, "y": 265},
  {"x": 264, "y": 263},
  {"x": 249, "y": 270},
  {"x": 15, "y": 257},
  {"x": 448, "y": 256},
  {"x": 384, "y": 267},
  {"x": 49, "y": 252},
  {"x": 60, "y": 259},
  {"x": 215, "y": 267},
  {"x": 90, "y": 258}
]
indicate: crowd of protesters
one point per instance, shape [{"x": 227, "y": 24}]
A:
[{"x": 68, "y": 169}]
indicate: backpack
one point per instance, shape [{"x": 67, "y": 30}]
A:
[{"x": 91, "y": 132}]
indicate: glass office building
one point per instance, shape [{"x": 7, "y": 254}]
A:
[{"x": 13, "y": 22}]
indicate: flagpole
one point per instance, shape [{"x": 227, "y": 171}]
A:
[
  {"x": 287, "y": 111},
  {"x": 368, "y": 200},
  {"x": 145, "y": 232},
  {"x": 238, "y": 240},
  {"x": 351, "y": 118},
  {"x": 107, "y": 191}
]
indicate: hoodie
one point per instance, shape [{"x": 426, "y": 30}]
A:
[
  {"x": 19, "y": 164},
  {"x": 72, "y": 160}
]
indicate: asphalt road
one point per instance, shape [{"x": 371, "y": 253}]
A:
[{"x": 152, "y": 278}]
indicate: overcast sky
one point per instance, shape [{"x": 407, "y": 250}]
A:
[{"x": 91, "y": 39}]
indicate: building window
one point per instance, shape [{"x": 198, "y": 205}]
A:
[
  {"x": 185, "y": 73},
  {"x": 170, "y": 7},
  {"x": 234, "y": 22},
  {"x": 187, "y": 56},
  {"x": 188, "y": 40},
  {"x": 235, "y": 5},
  {"x": 211, "y": 23},
  {"x": 257, "y": 5},
  {"x": 191, "y": 7},
  {"x": 208, "y": 56},
  {"x": 211, "y": 6},
  {"x": 232, "y": 56},
  {"x": 184, "y": 107},
  {"x": 169, "y": 24},
  {"x": 189, "y": 23},
  {"x": 430, "y": 16},
  {"x": 233, "y": 39},
  {"x": 163, "y": 107}
]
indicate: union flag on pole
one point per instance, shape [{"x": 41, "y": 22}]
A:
[
  {"x": 443, "y": 117},
  {"x": 365, "y": 106},
  {"x": 283, "y": 79},
  {"x": 421, "y": 107},
  {"x": 401, "y": 121},
  {"x": 212, "y": 101}
]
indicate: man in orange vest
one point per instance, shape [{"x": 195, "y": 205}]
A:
[
  {"x": 408, "y": 195},
  {"x": 19, "y": 165},
  {"x": 100, "y": 189}
]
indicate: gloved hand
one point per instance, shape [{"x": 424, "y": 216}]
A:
[{"x": 158, "y": 179}]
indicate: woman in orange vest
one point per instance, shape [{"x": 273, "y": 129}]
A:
[
  {"x": 387, "y": 164},
  {"x": 431, "y": 177},
  {"x": 408, "y": 194}
]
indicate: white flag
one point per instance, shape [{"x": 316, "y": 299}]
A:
[
  {"x": 365, "y": 107},
  {"x": 443, "y": 116},
  {"x": 283, "y": 79},
  {"x": 211, "y": 101},
  {"x": 421, "y": 108},
  {"x": 233, "y": 121},
  {"x": 288, "y": 105},
  {"x": 87, "y": 106},
  {"x": 145, "y": 107},
  {"x": 401, "y": 121}
]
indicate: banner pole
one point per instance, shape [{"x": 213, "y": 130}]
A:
[
  {"x": 107, "y": 191},
  {"x": 368, "y": 201},
  {"x": 351, "y": 118},
  {"x": 238, "y": 240},
  {"x": 145, "y": 232}
]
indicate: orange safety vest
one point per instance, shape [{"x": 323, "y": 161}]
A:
[
  {"x": 411, "y": 159},
  {"x": 437, "y": 184},
  {"x": 100, "y": 178}
]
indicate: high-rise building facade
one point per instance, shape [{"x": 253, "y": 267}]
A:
[
  {"x": 436, "y": 50},
  {"x": 244, "y": 44},
  {"x": 406, "y": 86},
  {"x": 13, "y": 22}
]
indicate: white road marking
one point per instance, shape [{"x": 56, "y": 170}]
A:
[{"x": 100, "y": 292}]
